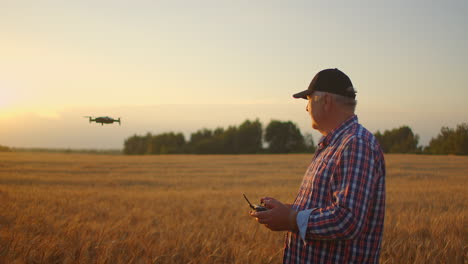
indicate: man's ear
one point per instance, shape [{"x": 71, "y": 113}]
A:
[{"x": 327, "y": 102}]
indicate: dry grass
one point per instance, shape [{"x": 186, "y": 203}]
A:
[{"x": 77, "y": 208}]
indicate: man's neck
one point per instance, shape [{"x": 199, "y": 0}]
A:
[{"x": 335, "y": 123}]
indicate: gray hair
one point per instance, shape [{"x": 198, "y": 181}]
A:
[{"x": 347, "y": 102}]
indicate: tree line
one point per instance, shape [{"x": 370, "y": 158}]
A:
[
  {"x": 285, "y": 137},
  {"x": 247, "y": 138},
  {"x": 4, "y": 149},
  {"x": 403, "y": 140}
]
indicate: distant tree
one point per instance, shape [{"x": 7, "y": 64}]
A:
[
  {"x": 136, "y": 145},
  {"x": 202, "y": 142},
  {"x": 249, "y": 137},
  {"x": 147, "y": 141},
  {"x": 167, "y": 143},
  {"x": 450, "y": 141},
  {"x": 4, "y": 149},
  {"x": 309, "y": 142},
  {"x": 229, "y": 141},
  {"x": 284, "y": 137},
  {"x": 398, "y": 140},
  {"x": 201, "y": 135}
]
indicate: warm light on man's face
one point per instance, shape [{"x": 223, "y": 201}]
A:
[{"x": 312, "y": 109}]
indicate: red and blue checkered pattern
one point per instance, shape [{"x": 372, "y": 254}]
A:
[{"x": 345, "y": 185}]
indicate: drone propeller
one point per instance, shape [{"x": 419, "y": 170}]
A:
[{"x": 90, "y": 117}]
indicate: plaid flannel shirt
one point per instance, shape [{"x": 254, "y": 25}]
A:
[{"x": 345, "y": 187}]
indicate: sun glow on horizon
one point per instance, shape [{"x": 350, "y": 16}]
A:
[{"x": 41, "y": 112}]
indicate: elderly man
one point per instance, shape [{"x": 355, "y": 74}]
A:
[{"x": 338, "y": 213}]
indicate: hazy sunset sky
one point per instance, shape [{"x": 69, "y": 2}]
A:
[{"x": 183, "y": 65}]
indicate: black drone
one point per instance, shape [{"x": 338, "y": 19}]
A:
[{"x": 103, "y": 120}]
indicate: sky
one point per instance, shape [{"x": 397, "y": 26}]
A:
[{"x": 185, "y": 65}]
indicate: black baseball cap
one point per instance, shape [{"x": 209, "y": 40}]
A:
[{"x": 331, "y": 81}]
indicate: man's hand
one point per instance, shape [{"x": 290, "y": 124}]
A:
[{"x": 279, "y": 216}]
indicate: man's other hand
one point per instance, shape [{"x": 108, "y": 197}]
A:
[{"x": 279, "y": 217}]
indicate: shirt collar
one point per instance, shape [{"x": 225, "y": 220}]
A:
[{"x": 337, "y": 132}]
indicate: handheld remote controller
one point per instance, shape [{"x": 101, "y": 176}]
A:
[{"x": 256, "y": 207}]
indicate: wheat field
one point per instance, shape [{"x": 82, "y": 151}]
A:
[{"x": 85, "y": 208}]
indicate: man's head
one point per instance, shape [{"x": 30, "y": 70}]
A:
[{"x": 331, "y": 99}]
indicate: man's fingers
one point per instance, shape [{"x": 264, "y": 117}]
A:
[
  {"x": 262, "y": 200},
  {"x": 262, "y": 214},
  {"x": 263, "y": 220},
  {"x": 272, "y": 203}
]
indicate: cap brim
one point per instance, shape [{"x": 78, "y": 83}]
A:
[{"x": 302, "y": 94}]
